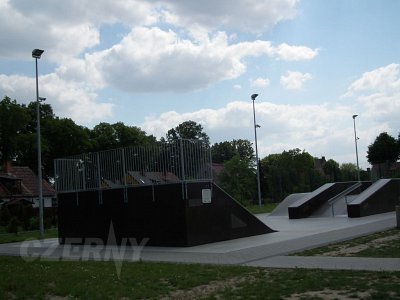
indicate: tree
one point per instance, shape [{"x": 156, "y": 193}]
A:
[
  {"x": 13, "y": 119},
  {"x": 105, "y": 136},
  {"x": 187, "y": 130},
  {"x": 332, "y": 170},
  {"x": 238, "y": 179},
  {"x": 288, "y": 172},
  {"x": 131, "y": 135},
  {"x": 225, "y": 151},
  {"x": 348, "y": 171},
  {"x": 385, "y": 149}
]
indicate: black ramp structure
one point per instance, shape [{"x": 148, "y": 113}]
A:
[
  {"x": 163, "y": 194},
  {"x": 337, "y": 205},
  {"x": 282, "y": 208},
  {"x": 308, "y": 204},
  {"x": 381, "y": 197}
]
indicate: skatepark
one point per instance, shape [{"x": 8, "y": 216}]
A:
[{"x": 162, "y": 205}]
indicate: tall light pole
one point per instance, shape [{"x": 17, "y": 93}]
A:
[
  {"x": 355, "y": 141},
  {"x": 253, "y": 97},
  {"x": 36, "y": 54}
]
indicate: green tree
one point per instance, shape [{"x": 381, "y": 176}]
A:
[
  {"x": 385, "y": 149},
  {"x": 332, "y": 170},
  {"x": 288, "y": 172},
  {"x": 225, "y": 151},
  {"x": 187, "y": 130},
  {"x": 5, "y": 215},
  {"x": 13, "y": 226},
  {"x": 348, "y": 171},
  {"x": 131, "y": 135},
  {"x": 13, "y": 119},
  {"x": 239, "y": 180}
]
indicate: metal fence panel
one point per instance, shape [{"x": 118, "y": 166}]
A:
[{"x": 159, "y": 163}]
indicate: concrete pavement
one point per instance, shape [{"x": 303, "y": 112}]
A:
[{"x": 267, "y": 250}]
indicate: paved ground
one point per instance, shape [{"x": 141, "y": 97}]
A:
[{"x": 267, "y": 250}]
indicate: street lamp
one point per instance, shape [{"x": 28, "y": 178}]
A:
[
  {"x": 355, "y": 141},
  {"x": 36, "y": 54},
  {"x": 253, "y": 97}
]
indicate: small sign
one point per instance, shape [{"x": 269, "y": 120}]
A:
[{"x": 206, "y": 195}]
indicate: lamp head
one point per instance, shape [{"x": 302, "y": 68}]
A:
[
  {"x": 37, "y": 53},
  {"x": 354, "y": 116},
  {"x": 254, "y": 96},
  {"x": 42, "y": 99}
]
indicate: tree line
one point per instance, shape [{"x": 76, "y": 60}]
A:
[{"x": 292, "y": 171}]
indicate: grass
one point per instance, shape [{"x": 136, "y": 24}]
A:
[
  {"x": 27, "y": 235},
  {"x": 264, "y": 208},
  {"x": 138, "y": 280},
  {"x": 380, "y": 244}
]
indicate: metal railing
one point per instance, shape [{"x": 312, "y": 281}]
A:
[{"x": 158, "y": 163}]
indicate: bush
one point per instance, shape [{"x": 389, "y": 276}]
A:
[
  {"x": 5, "y": 215},
  {"x": 12, "y": 227}
]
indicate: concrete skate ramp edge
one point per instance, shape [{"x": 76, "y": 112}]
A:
[
  {"x": 380, "y": 197},
  {"x": 308, "y": 204},
  {"x": 338, "y": 204},
  {"x": 282, "y": 208}
]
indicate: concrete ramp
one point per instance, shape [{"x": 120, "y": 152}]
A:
[
  {"x": 310, "y": 203},
  {"x": 282, "y": 208},
  {"x": 337, "y": 205},
  {"x": 380, "y": 197}
]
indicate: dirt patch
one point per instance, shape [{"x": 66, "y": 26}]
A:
[
  {"x": 209, "y": 289},
  {"x": 347, "y": 250},
  {"x": 327, "y": 294}
]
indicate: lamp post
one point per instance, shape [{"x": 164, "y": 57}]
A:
[
  {"x": 355, "y": 141},
  {"x": 36, "y": 54},
  {"x": 253, "y": 97}
]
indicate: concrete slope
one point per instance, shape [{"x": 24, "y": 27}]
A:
[
  {"x": 310, "y": 203},
  {"x": 380, "y": 197},
  {"x": 282, "y": 208}
]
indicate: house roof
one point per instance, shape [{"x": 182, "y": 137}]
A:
[{"x": 29, "y": 181}]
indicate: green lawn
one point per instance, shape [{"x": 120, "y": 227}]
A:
[
  {"x": 380, "y": 244},
  {"x": 27, "y": 235},
  {"x": 264, "y": 208},
  {"x": 139, "y": 280}
]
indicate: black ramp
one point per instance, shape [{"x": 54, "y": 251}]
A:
[
  {"x": 177, "y": 214},
  {"x": 304, "y": 207},
  {"x": 380, "y": 197},
  {"x": 282, "y": 208},
  {"x": 338, "y": 204}
]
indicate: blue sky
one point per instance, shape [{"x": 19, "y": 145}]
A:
[{"x": 155, "y": 64}]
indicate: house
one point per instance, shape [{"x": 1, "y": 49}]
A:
[{"x": 20, "y": 184}]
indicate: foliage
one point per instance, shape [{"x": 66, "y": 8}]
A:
[
  {"x": 238, "y": 179},
  {"x": 60, "y": 137},
  {"x": 348, "y": 172},
  {"x": 13, "y": 225},
  {"x": 5, "y": 215},
  {"x": 289, "y": 172},
  {"x": 187, "y": 130},
  {"x": 332, "y": 170},
  {"x": 13, "y": 119},
  {"x": 385, "y": 148},
  {"x": 224, "y": 151}
]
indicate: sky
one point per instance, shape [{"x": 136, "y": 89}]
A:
[{"x": 155, "y": 64}]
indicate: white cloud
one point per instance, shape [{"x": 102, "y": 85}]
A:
[
  {"x": 384, "y": 79},
  {"x": 145, "y": 56},
  {"x": 378, "y": 93},
  {"x": 294, "y": 80},
  {"x": 321, "y": 130},
  {"x": 296, "y": 53},
  {"x": 251, "y": 15},
  {"x": 260, "y": 82},
  {"x": 68, "y": 99}
]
